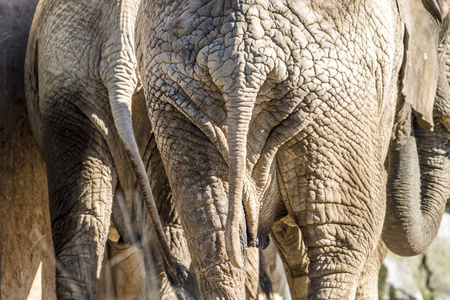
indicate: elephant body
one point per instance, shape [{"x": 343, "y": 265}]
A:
[
  {"x": 68, "y": 108},
  {"x": 417, "y": 158},
  {"x": 258, "y": 110},
  {"x": 77, "y": 51},
  {"x": 81, "y": 64},
  {"x": 55, "y": 97},
  {"x": 271, "y": 109}
]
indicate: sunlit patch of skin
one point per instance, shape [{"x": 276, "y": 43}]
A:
[{"x": 321, "y": 82}]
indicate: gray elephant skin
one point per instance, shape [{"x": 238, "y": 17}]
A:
[
  {"x": 260, "y": 109},
  {"x": 404, "y": 172},
  {"x": 80, "y": 65},
  {"x": 265, "y": 108},
  {"x": 418, "y": 176},
  {"x": 80, "y": 82}
]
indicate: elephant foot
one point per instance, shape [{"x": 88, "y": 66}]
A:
[
  {"x": 70, "y": 288},
  {"x": 333, "y": 286},
  {"x": 222, "y": 281}
]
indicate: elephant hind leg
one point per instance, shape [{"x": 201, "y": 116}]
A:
[
  {"x": 337, "y": 202},
  {"x": 288, "y": 240},
  {"x": 81, "y": 179},
  {"x": 197, "y": 174},
  {"x": 368, "y": 282}
]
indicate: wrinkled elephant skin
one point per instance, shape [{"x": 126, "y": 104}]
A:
[
  {"x": 80, "y": 78},
  {"x": 419, "y": 168},
  {"x": 284, "y": 106}
]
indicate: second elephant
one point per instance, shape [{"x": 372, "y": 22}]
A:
[
  {"x": 81, "y": 80},
  {"x": 262, "y": 109}
]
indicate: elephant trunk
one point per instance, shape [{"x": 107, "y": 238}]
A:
[
  {"x": 417, "y": 191},
  {"x": 239, "y": 116}
]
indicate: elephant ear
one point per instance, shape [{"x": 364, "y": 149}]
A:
[{"x": 424, "y": 22}]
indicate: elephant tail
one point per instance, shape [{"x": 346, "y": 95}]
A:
[
  {"x": 120, "y": 95},
  {"x": 121, "y": 80},
  {"x": 240, "y": 90},
  {"x": 239, "y": 116}
]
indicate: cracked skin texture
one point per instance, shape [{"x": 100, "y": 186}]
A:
[
  {"x": 73, "y": 46},
  {"x": 314, "y": 85}
]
